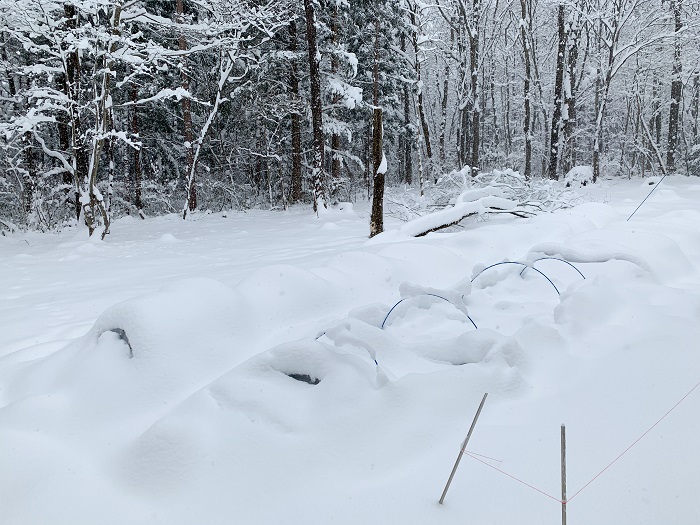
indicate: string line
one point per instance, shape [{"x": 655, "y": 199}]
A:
[
  {"x": 513, "y": 477},
  {"x": 475, "y": 457},
  {"x": 637, "y": 441}
]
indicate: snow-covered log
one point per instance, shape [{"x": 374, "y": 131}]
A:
[{"x": 469, "y": 203}]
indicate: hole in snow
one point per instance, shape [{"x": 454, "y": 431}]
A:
[
  {"x": 122, "y": 335},
  {"x": 305, "y": 378}
]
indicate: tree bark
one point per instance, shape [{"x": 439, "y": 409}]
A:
[
  {"x": 317, "y": 175},
  {"x": 136, "y": 154},
  {"x": 73, "y": 74},
  {"x": 676, "y": 89},
  {"x": 295, "y": 116},
  {"x": 29, "y": 177},
  {"x": 376, "y": 225},
  {"x": 419, "y": 96},
  {"x": 526, "y": 88},
  {"x": 474, "y": 72},
  {"x": 574, "y": 39},
  {"x": 443, "y": 104},
  {"x": 186, "y": 113},
  {"x": 558, "y": 97},
  {"x": 103, "y": 122},
  {"x": 407, "y": 151},
  {"x": 335, "y": 137}
]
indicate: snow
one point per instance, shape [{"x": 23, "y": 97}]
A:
[
  {"x": 381, "y": 170},
  {"x": 579, "y": 176},
  {"x": 222, "y": 369}
]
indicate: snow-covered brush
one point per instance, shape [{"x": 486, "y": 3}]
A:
[
  {"x": 6, "y": 226},
  {"x": 409, "y": 291},
  {"x": 341, "y": 335},
  {"x": 479, "y": 271},
  {"x": 564, "y": 261},
  {"x": 569, "y": 254},
  {"x": 460, "y": 196}
]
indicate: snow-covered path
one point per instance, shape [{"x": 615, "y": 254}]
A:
[{"x": 52, "y": 287}]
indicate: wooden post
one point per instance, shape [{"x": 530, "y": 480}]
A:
[
  {"x": 464, "y": 447},
  {"x": 563, "y": 475}
]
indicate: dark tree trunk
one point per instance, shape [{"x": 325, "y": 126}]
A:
[
  {"x": 676, "y": 89},
  {"x": 443, "y": 104},
  {"x": 408, "y": 144},
  {"x": 29, "y": 177},
  {"x": 335, "y": 137},
  {"x": 526, "y": 89},
  {"x": 474, "y": 72},
  {"x": 136, "y": 154},
  {"x": 419, "y": 98},
  {"x": 574, "y": 39},
  {"x": 64, "y": 132},
  {"x": 316, "y": 105},
  {"x": 558, "y": 97},
  {"x": 407, "y": 151},
  {"x": 80, "y": 154},
  {"x": 295, "y": 116},
  {"x": 187, "y": 115},
  {"x": 376, "y": 225}
]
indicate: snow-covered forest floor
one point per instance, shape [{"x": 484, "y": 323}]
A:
[{"x": 206, "y": 425}]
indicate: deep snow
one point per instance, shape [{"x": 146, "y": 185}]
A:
[{"x": 231, "y": 319}]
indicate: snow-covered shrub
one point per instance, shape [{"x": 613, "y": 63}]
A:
[{"x": 457, "y": 195}]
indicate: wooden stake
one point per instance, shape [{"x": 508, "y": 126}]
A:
[
  {"x": 464, "y": 447},
  {"x": 563, "y": 475}
]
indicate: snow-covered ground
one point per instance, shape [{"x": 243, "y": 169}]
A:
[{"x": 148, "y": 378}]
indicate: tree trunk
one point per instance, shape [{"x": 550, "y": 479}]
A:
[
  {"x": 335, "y": 137},
  {"x": 676, "y": 89},
  {"x": 695, "y": 107},
  {"x": 136, "y": 155},
  {"x": 419, "y": 97},
  {"x": 526, "y": 89},
  {"x": 317, "y": 175},
  {"x": 29, "y": 177},
  {"x": 103, "y": 120},
  {"x": 376, "y": 225},
  {"x": 80, "y": 156},
  {"x": 558, "y": 97},
  {"x": 474, "y": 72},
  {"x": 407, "y": 151},
  {"x": 443, "y": 104},
  {"x": 295, "y": 116},
  {"x": 191, "y": 188},
  {"x": 574, "y": 39}
]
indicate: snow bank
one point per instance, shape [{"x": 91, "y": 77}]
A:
[{"x": 202, "y": 401}]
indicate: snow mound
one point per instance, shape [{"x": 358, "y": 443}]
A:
[
  {"x": 167, "y": 238},
  {"x": 578, "y": 177}
]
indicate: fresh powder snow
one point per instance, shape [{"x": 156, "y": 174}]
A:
[{"x": 242, "y": 368}]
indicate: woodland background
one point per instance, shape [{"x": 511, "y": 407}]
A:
[{"x": 147, "y": 107}]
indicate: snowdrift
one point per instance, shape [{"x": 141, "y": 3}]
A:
[{"x": 342, "y": 392}]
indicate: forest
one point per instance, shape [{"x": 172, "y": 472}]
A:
[{"x": 147, "y": 107}]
